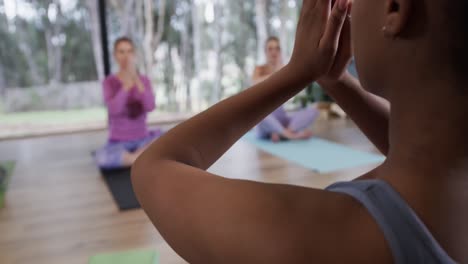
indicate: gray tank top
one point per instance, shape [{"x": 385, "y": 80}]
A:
[{"x": 409, "y": 239}]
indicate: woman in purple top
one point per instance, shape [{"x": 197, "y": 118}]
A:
[
  {"x": 279, "y": 124},
  {"x": 128, "y": 97}
]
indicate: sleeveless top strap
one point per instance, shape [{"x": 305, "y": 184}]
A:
[{"x": 409, "y": 239}]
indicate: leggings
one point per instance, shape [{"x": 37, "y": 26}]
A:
[
  {"x": 110, "y": 156},
  {"x": 279, "y": 120}
]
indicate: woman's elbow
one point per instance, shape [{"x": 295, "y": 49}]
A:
[
  {"x": 144, "y": 179},
  {"x": 139, "y": 171},
  {"x": 143, "y": 169},
  {"x": 149, "y": 184},
  {"x": 136, "y": 175}
]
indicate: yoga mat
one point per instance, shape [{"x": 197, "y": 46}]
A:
[
  {"x": 120, "y": 185},
  {"x": 129, "y": 257},
  {"x": 316, "y": 154},
  {"x": 6, "y": 170}
]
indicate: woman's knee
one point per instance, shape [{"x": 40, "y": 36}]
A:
[{"x": 109, "y": 158}]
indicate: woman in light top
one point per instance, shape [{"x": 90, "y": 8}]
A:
[{"x": 279, "y": 124}]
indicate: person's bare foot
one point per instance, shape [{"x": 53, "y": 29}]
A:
[
  {"x": 289, "y": 135},
  {"x": 306, "y": 134},
  {"x": 275, "y": 137},
  {"x": 303, "y": 135},
  {"x": 129, "y": 158}
]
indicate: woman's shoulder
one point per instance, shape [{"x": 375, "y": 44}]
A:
[
  {"x": 111, "y": 76},
  {"x": 112, "y": 83},
  {"x": 111, "y": 79}
]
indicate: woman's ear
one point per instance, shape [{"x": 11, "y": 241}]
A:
[{"x": 397, "y": 13}]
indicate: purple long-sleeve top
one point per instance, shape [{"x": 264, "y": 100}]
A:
[{"x": 127, "y": 110}]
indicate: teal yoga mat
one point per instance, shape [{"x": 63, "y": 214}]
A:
[
  {"x": 129, "y": 257},
  {"x": 316, "y": 154}
]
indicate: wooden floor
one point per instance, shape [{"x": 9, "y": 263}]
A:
[{"x": 59, "y": 210}]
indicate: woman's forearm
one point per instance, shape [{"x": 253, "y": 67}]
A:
[
  {"x": 370, "y": 112},
  {"x": 260, "y": 79},
  {"x": 200, "y": 141},
  {"x": 147, "y": 98}
]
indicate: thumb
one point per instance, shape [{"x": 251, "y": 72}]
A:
[{"x": 331, "y": 38}]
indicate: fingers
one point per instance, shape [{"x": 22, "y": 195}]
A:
[
  {"x": 345, "y": 49},
  {"x": 344, "y": 53},
  {"x": 318, "y": 35},
  {"x": 331, "y": 37},
  {"x": 315, "y": 15},
  {"x": 322, "y": 9}
]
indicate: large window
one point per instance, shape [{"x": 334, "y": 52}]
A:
[
  {"x": 49, "y": 55},
  {"x": 50, "y": 65},
  {"x": 197, "y": 52}
]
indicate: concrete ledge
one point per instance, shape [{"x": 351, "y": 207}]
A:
[{"x": 10, "y": 132}]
